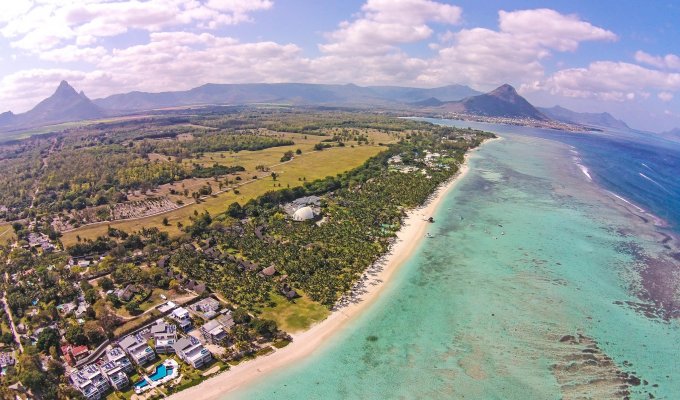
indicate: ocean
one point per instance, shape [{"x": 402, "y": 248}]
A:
[{"x": 550, "y": 275}]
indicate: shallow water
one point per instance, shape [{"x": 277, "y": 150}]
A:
[{"x": 493, "y": 306}]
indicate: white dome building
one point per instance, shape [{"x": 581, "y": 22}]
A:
[{"x": 303, "y": 214}]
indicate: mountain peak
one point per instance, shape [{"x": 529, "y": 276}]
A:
[
  {"x": 504, "y": 101},
  {"x": 65, "y": 89},
  {"x": 505, "y": 92}
]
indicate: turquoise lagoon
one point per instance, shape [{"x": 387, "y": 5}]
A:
[{"x": 527, "y": 291}]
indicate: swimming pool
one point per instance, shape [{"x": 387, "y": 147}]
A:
[{"x": 161, "y": 372}]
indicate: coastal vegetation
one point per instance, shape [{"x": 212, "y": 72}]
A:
[{"x": 238, "y": 240}]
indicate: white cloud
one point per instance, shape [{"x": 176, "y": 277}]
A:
[
  {"x": 550, "y": 29},
  {"x": 36, "y": 26},
  {"x": 383, "y": 24},
  {"x": 665, "y": 96},
  {"x": 669, "y": 61},
  {"x": 486, "y": 57},
  {"x": 611, "y": 81},
  {"x": 73, "y": 53}
]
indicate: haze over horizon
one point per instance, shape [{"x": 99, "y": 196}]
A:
[{"x": 598, "y": 57}]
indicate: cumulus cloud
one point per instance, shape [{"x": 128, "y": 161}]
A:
[
  {"x": 669, "y": 61},
  {"x": 35, "y": 26},
  {"x": 611, "y": 81},
  {"x": 72, "y": 53},
  {"x": 486, "y": 57},
  {"x": 386, "y": 23}
]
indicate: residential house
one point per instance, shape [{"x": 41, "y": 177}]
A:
[
  {"x": 164, "y": 336},
  {"x": 79, "y": 352},
  {"x": 137, "y": 348},
  {"x": 213, "y": 332},
  {"x": 91, "y": 382},
  {"x": 191, "y": 351},
  {"x": 181, "y": 316},
  {"x": 127, "y": 293},
  {"x": 207, "y": 307}
]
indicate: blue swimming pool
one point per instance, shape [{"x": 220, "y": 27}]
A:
[{"x": 161, "y": 372}]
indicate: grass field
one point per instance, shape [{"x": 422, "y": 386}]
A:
[
  {"x": 294, "y": 316},
  {"x": 310, "y": 165},
  {"x": 7, "y": 233}
]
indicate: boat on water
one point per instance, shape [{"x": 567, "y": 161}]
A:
[{"x": 429, "y": 235}]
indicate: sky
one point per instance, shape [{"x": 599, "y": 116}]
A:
[{"x": 622, "y": 57}]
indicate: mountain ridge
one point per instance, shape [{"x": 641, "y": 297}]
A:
[
  {"x": 600, "y": 120},
  {"x": 296, "y": 93}
]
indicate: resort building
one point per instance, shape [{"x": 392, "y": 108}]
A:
[
  {"x": 215, "y": 331},
  {"x": 207, "y": 307},
  {"x": 116, "y": 375},
  {"x": 181, "y": 316},
  {"x": 191, "y": 351},
  {"x": 117, "y": 356},
  {"x": 91, "y": 382},
  {"x": 164, "y": 336},
  {"x": 137, "y": 348}
]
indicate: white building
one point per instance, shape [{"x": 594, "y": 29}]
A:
[
  {"x": 181, "y": 315},
  {"x": 164, "y": 336},
  {"x": 91, "y": 382},
  {"x": 137, "y": 348},
  {"x": 303, "y": 214},
  {"x": 191, "y": 351}
]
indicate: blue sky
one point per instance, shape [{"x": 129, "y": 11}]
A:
[{"x": 615, "y": 56}]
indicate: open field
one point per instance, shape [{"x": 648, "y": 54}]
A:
[
  {"x": 6, "y": 232},
  {"x": 310, "y": 165},
  {"x": 295, "y": 316}
]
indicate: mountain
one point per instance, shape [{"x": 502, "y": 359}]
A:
[
  {"x": 600, "y": 120},
  {"x": 7, "y": 118},
  {"x": 64, "y": 105},
  {"x": 504, "y": 101},
  {"x": 430, "y": 102},
  {"x": 290, "y": 93}
]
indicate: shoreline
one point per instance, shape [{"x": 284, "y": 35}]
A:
[{"x": 365, "y": 293}]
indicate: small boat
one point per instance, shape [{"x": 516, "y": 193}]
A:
[{"x": 429, "y": 235}]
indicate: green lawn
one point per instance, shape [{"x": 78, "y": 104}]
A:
[{"x": 294, "y": 316}]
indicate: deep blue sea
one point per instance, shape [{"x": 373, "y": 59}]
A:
[{"x": 642, "y": 168}]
